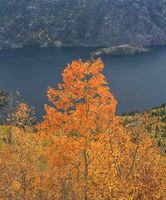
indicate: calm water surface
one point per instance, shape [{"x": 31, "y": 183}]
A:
[{"x": 138, "y": 81}]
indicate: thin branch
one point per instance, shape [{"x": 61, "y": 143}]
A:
[{"x": 133, "y": 162}]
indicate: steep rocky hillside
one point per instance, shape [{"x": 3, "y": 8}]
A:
[{"x": 82, "y": 22}]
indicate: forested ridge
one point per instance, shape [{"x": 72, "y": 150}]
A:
[
  {"x": 82, "y": 22},
  {"x": 81, "y": 149}
]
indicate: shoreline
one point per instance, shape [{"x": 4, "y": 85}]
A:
[{"x": 76, "y": 46}]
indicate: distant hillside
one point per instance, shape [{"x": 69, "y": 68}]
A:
[
  {"x": 153, "y": 120},
  {"x": 82, "y": 22}
]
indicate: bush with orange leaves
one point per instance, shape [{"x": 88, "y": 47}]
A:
[
  {"x": 94, "y": 156},
  {"x": 23, "y": 116}
]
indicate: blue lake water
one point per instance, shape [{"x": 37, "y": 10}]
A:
[{"x": 137, "y": 82}]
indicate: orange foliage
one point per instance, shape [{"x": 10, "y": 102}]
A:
[
  {"x": 89, "y": 147},
  {"x": 23, "y": 116},
  {"x": 82, "y": 150}
]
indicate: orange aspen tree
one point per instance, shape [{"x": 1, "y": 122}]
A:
[{"x": 95, "y": 157}]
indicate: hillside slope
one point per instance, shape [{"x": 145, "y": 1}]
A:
[
  {"x": 153, "y": 120},
  {"x": 82, "y": 22}
]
